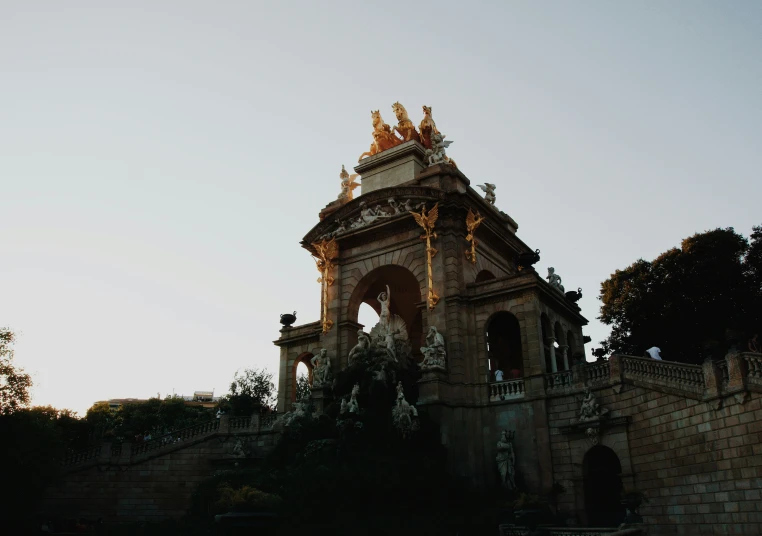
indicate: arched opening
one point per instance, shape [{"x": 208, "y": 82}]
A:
[
  {"x": 302, "y": 367},
  {"x": 603, "y": 486},
  {"x": 504, "y": 346},
  {"x": 561, "y": 363},
  {"x": 405, "y": 301},
  {"x": 303, "y": 381},
  {"x": 572, "y": 343},
  {"x": 367, "y": 316},
  {"x": 547, "y": 341},
  {"x": 484, "y": 275}
]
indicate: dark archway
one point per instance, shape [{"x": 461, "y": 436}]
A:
[
  {"x": 303, "y": 359},
  {"x": 484, "y": 275},
  {"x": 603, "y": 486},
  {"x": 405, "y": 300},
  {"x": 504, "y": 346}
]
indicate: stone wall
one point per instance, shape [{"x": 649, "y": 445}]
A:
[
  {"x": 128, "y": 483},
  {"x": 696, "y": 456}
]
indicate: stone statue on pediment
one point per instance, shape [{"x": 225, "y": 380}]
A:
[{"x": 554, "y": 279}]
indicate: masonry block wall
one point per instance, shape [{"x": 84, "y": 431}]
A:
[
  {"x": 151, "y": 489},
  {"x": 700, "y": 467}
]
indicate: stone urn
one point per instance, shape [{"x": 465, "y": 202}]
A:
[
  {"x": 524, "y": 261},
  {"x": 574, "y": 296},
  {"x": 287, "y": 319}
]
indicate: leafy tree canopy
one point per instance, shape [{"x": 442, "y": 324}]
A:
[
  {"x": 690, "y": 301},
  {"x": 250, "y": 391},
  {"x": 14, "y": 382},
  {"x": 303, "y": 387}
]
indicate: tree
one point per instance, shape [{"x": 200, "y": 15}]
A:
[
  {"x": 303, "y": 387},
  {"x": 688, "y": 301},
  {"x": 14, "y": 382},
  {"x": 249, "y": 391}
]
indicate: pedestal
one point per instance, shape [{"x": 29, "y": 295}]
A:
[
  {"x": 431, "y": 387},
  {"x": 321, "y": 397}
]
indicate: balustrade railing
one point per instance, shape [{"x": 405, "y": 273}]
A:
[
  {"x": 74, "y": 458},
  {"x": 176, "y": 436},
  {"x": 506, "y": 390},
  {"x": 722, "y": 368},
  {"x": 267, "y": 421},
  {"x": 678, "y": 375},
  {"x": 558, "y": 380},
  {"x": 237, "y": 423},
  {"x": 596, "y": 372},
  {"x": 753, "y": 367}
]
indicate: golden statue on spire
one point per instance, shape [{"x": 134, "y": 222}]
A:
[
  {"x": 427, "y": 221},
  {"x": 472, "y": 222},
  {"x": 326, "y": 251}
]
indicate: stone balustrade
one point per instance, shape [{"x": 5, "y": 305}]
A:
[
  {"x": 75, "y": 458},
  {"x": 753, "y": 365},
  {"x": 506, "y": 390},
  {"x": 558, "y": 381},
  {"x": 223, "y": 425},
  {"x": 513, "y": 530},
  {"x": 238, "y": 423},
  {"x": 679, "y": 376},
  {"x": 181, "y": 435},
  {"x": 597, "y": 372}
]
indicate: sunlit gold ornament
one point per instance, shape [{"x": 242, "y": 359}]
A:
[
  {"x": 383, "y": 137},
  {"x": 427, "y": 221},
  {"x": 472, "y": 222},
  {"x": 326, "y": 252}
]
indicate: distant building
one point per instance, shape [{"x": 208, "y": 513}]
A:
[{"x": 204, "y": 399}]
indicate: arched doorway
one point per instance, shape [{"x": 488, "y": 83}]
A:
[
  {"x": 504, "y": 346},
  {"x": 603, "y": 486},
  {"x": 405, "y": 300}
]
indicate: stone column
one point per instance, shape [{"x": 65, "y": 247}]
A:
[
  {"x": 105, "y": 454},
  {"x": 565, "y": 354},
  {"x": 224, "y": 424},
  {"x": 736, "y": 373},
  {"x": 553, "y": 365}
]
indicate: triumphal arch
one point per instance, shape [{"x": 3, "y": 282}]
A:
[{"x": 458, "y": 297}]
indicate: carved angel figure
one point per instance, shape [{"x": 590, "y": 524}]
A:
[
  {"x": 383, "y": 138},
  {"x": 436, "y": 155},
  {"x": 405, "y": 126},
  {"x": 347, "y": 185},
  {"x": 489, "y": 192},
  {"x": 403, "y": 413},
  {"x": 427, "y": 127},
  {"x": 555, "y": 280}
]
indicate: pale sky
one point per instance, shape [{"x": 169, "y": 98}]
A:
[{"x": 161, "y": 161}]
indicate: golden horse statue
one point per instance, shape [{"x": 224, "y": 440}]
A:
[
  {"x": 405, "y": 126},
  {"x": 383, "y": 137},
  {"x": 427, "y": 127}
]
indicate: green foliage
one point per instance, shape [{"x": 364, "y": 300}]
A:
[
  {"x": 350, "y": 474},
  {"x": 14, "y": 382},
  {"x": 684, "y": 300},
  {"x": 249, "y": 392},
  {"x": 303, "y": 387},
  {"x": 155, "y": 416},
  {"x": 246, "y": 499},
  {"x": 33, "y": 445}
]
